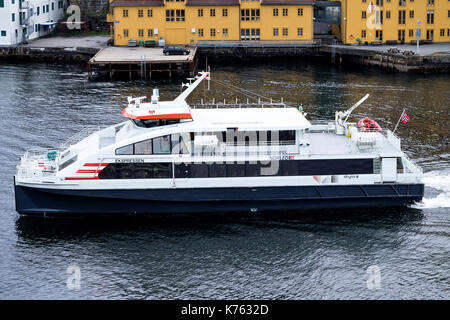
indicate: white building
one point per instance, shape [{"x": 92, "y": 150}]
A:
[{"x": 22, "y": 20}]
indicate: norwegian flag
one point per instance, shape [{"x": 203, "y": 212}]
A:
[{"x": 404, "y": 117}]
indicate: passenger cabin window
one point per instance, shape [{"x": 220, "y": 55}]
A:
[
  {"x": 143, "y": 148},
  {"x": 137, "y": 171},
  {"x": 161, "y": 145},
  {"x": 67, "y": 163},
  {"x": 168, "y": 144},
  {"x": 234, "y": 137},
  {"x": 274, "y": 168},
  {"x": 151, "y": 123}
]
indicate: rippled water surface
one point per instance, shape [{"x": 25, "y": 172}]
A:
[{"x": 292, "y": 256}]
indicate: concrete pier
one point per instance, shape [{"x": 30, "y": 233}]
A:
[
  {"x": 432, "y": 58},
  {"x": 141, "y": 63},
  {"x": 146, "y": 63}
]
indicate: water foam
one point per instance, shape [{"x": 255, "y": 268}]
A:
[{"x": 439, "y": 181}]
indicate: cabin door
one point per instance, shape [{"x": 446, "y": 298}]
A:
[{"x": 389, "y": 169}]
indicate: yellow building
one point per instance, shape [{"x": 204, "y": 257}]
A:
[
  {"x": 393, "y": 20},
  {"x": 190, "y": 21}
]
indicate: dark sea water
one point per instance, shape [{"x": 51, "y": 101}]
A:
[{"x": 326, "y": 255}]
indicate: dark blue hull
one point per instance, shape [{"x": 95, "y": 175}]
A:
[{"x": 35, "y": 201}]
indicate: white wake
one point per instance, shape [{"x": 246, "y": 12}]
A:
[{"x": 440, "y": 181}]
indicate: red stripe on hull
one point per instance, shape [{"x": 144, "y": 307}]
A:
[
  {"x": 95, "y": 164},
  {"x": 88, "y": 171},
  {"x": 159, "y": 116},
  {"x": 91, "y": 178}
]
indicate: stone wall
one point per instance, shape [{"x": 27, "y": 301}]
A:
[{"x": 94, "y": 12}]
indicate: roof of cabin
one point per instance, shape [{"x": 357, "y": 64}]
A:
[{"x": 249, "y": 119}]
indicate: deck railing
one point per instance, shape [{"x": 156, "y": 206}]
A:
[{"x": 85, "y": 132}]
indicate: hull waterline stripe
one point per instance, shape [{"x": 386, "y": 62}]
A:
[{"x": 90, "y": 178}]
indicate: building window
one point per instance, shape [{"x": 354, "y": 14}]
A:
[
  {"x": 212, "y": 32},
  {"x": 285, "y": 32},
  {"x": 363, "y": 33},
  {"x": 200, "y": 32},
  {"x": 3, "y": 33},
  {"x": 402, "y": 3},
  {"x": 275, "y": 32},
  {"x": 13, "y": 17},
  {"x": 245, "y": 15},
  {"x": 200, "y": 12},
  {"x": 275, "y": 12},
  {"x": 212, "y": 12},
  {"x": 411, "y": 33},
  {"x": 140, "y": 13},
  {"x": 379, "y": 35},
  {"x": 53, "y": 6},
  {"x": 170, "y": 15},
  {"x": 224, "y": 12},
  {"x": 150, "y": 32},
  {"x": 401, "y": 35},
  {"x": 388, "y": 14},
  {"x": 180, "y": 15},
  {"x": 300, "y": 32},
  {"x": 411, "y": 14},
  {"x": 125, "y": 33},
  {"x": 255, "y": 14},
  {"x": 430, "y": 16},
  {"x": 225, "y": 32},
  {"x": 401, "y": 16},
  {"x": 300, "y": 11},
  {"x": 285, "y": 12},
  {"x": 363, "y": 14},
  {"x": 141, "y": 32},
  {"x": 250, "y": 34},
  {"x": 125, "y": 13},
  {"x": 442, "y": 32},
  {"x": 430, "y": 34},
  {"x": 379, "y": 17},
  {"x": 430, "y": 3},
  {"x": 149, "y": 13}
]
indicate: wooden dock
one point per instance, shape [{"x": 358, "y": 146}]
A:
[{"x": 141, "y": 63}]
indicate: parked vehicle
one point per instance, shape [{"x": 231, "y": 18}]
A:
[
  {"x": 174, "y": 50},
  {"x": 132, "y": 43}
]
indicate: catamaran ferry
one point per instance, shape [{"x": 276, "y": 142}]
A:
[{"x": 170, "y": 157}]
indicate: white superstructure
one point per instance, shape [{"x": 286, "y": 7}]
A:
[{"x": 30, "y": 19}]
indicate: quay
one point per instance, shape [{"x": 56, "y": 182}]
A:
[
  {"x": 141, "y": 63},
  {"x": 111, "y": 62},
  {"x": 432, "y": 58}
]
